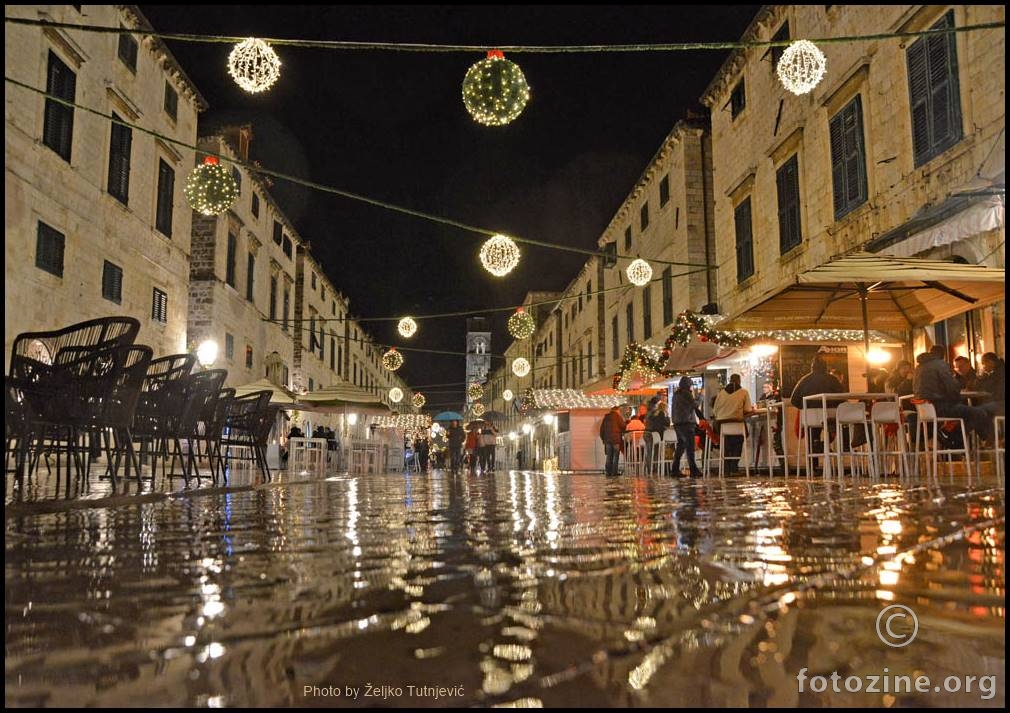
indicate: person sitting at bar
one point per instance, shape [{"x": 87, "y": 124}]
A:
[
  {"x": 934, "y": 382},
  {"x": 964, "y": 373},
  {"x": 992, "y": 381},
  {"x": 731, "y": 404},
  {"x": 816, "y": 381},
  {"x": 900, "y": 380}
]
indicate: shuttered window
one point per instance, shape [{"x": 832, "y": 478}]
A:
[
  {"x": 255, "y": 205},
  {"x": 49, "y": 247},
  {"x": 119, "y": 161},
  {"x": 229, "y": 268},
  {"x": 614, "y": 350},
  {"x": 934, "y": 92},
  {"x": 128, "y": 51},
  {"x": 667, "y": 296},
  {"x": 166, "y": 193},
  {"x": 278, "y": 233},
  {"x": 664, "y": 190},
  {"x": 629, "y": 313},
  {"x": 273, "y": 297},
  {"x": 787, "y": 179},
  {"x": 744, "y": 242},
  {"x": 738, "y": 99},
  {"x": 644, "y": 216},
  {"x": 647, "y": 311},
  {"x": 159, "y": 306},
  {"x": 58, "y": 129},
  {"x": 848, "y": 158},
  {"x": 250, "y": 275},
  {"x": 627, "y": 238},
  {"x": 171, "y": 101},
  {"x": 112, "y": 282}
]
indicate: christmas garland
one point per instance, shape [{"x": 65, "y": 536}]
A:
[
  {"x": 650, "y": 361},
  {"x": 526, "y": 401}
]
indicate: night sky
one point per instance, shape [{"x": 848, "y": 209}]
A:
[{"x": 392, "y": 126}]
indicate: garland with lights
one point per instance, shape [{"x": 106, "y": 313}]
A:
[
  {"x": 526, "y": 401},
  {"x": 495, "y": 91},
  {"x": 521, "y": 324},
  {"x": 210, "y": 188},
  {"x": 254, "y": 65},
  {"x": 650, "y": 361},
  {"x": 392, "y": 360}
]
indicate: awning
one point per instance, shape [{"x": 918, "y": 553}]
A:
[
  {"x": 958, "y": 218},
  {"x": 338, "y": 396},
  {"x": 900, "y": 293},
  {"x": 279, "y": 396}
]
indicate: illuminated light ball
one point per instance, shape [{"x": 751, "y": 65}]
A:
[
  {"x": 254, "y": 65},
  {"x": 499, "y": 255},
  {"x": 513, "y": 435},
  {"x": 392, "y": 360},
  {"x": 396, "y": 394},
  {"x": 527, "y": 428},
  {"x": 494, "y": 90},
  {"x": 210, "y": 188},
  {"x": 407, "y": 327},
  {"x": 475, "y": 391},
  {"x": 801, "y": 67},
  {"x": 639, "y": 272},
  {"x": 507, "y": 394},
  {"x": 520, "y": 367},
  {"x": 478, "y": 409},
  {"x": 418, "y": 400},
  {"x": 548, "y": 418},
  {"x": 521, "y": 324}
]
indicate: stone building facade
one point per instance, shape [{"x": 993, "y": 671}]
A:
[
  {"x": 892, "y": 140},
  {"x": 95, "y": 220}
]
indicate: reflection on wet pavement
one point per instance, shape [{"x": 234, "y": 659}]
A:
[{"x": 522, "y": 589}]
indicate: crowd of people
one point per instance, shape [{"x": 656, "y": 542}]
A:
[{"x": 465, "y": 449}]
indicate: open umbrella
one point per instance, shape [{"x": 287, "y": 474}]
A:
[
  {"x": 867, "y": 289},
  {"x": 279, "y": 396},
  {"x": 448, "y": 416}
]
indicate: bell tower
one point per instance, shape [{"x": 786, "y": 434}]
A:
[{"x": 478, "y": 349}]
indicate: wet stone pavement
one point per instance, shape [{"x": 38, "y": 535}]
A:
[{"x": 519, "y": 589}]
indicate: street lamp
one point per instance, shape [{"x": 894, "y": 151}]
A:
[
  {"x": 206, "y": 353},
  {"x": 352, "y": 418},
  {"x": 548, "y": 418}
]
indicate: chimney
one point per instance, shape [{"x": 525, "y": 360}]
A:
[{"x": 239, "y": 138}]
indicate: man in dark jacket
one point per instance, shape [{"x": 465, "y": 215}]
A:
[
  {"x": 816, "y": 381},
  {"x": 455, "y": 437},
  {"x": 612, "y": 433},
  {"x": 935, "y": 382}
]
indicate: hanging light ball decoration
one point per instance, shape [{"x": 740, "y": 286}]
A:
[
  {"x": 520, "y": 367},
  {"x": 801, "y": 67},
  {"x": 210, "y": 188},
  {"x": 495, "y": 91},
  {"x": 521, "y": 324},
  {"x": 396, "y": 394},
  {"x": 418, "y": 400},
  {"x": 499, "y": 254},
  {"x": 392, "y": 359},
  {"x": 406, "y": 327},
  {"x": 639, "y": 272},
  {"x": 478, "y": 409},
  {"x": 254, "y": 65},
  {"x": 475, "y": 392},
  {"x": 507, "y": 394}
]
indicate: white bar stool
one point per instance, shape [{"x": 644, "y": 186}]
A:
[
  {"x": 885, "y": 416},
  {"x": 728, "y": 428},
  {"x": 926, "y": 414},
  {"x": 811, "y": 418},
  {"x": 848, "y": 417},
  {"x": 999, "y": 442}
]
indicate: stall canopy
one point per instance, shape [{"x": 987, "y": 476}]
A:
[
  {"x": 696, "y": 355},
  {"x": 340, "y": 396},
  {"x": 566, "y": 399},
  {"x": 863, "y": 290}
]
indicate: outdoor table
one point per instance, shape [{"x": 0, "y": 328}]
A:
[{"x": 838, "y": 398}]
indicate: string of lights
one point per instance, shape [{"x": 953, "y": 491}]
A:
[
  {"x": 259, "y": 170},
  {"x": 527, "y": 49}
]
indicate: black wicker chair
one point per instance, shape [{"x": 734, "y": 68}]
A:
[
  {"x": 249, "y": 423},
  {"x": 161, "y": 404}
]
